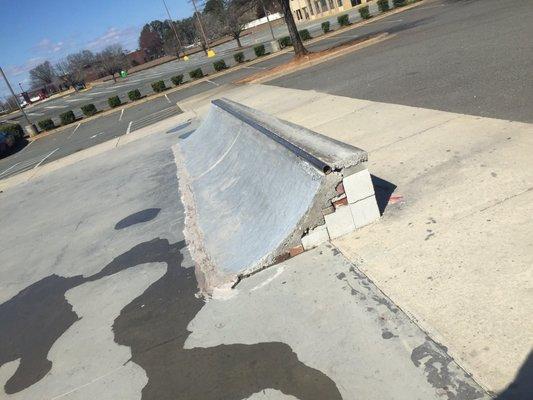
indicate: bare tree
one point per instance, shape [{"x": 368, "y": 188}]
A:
[
  {"x": 299, "y": 48},
  {"x": 112, "y": 60},
  {"x": 80, "y": 62},
  {"x": 67, "y": 73},
  {"x": 236, "y": 14},
  {"x": 42, "y": 75}
]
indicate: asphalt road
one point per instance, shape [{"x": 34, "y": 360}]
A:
[{"x": 471, "y": 57}]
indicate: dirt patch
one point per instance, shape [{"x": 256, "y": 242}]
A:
[{"x": 314, "y": 58}]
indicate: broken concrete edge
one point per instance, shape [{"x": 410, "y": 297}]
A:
[
  {"x": 346, "y": 168},
  {"x": 92, "y": 151}
]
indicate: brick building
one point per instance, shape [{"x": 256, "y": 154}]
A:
[{"x": 304, "y": 10}]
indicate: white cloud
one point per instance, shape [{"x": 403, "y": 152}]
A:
[{"x": 127, "y": 37}]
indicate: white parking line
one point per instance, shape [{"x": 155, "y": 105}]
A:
[
  {"x": 74, "y": 100},
  {"x": 214, "y": 83},
  {"x": 74, "y": 131},
  {"x": 45, "y": 158},
  {"x": 10, "y": 168},
  {"x": 129, "y": 128},
  {"x": 166, "y": 97},
  {"x": 54, "y": 107},
  {"x": 121, "y": 114},
  {"x": 98, "y": 134},
  {"x": 35, "y": 114}
]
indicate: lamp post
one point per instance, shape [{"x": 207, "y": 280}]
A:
[
  {"x": 268, "y": 19},
  {"x": 173, "y": 28},
  {"x": 30, "y": 128},
  {"x": 201, "y": 28}
]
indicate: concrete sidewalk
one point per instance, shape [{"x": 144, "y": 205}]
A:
[{"x": 454, "y": 247}]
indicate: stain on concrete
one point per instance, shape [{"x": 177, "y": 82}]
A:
[
  {"x": 387, "y": 334},
  {"x": 341, "y": 275},
  {"x": 138, "y": 218},
  {"x": 436, "y": 363},
  {"x": 154, "y": 326}
]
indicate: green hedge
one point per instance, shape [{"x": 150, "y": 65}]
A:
[
  {"x": 239, "y": 57},
  {"x": 305, "y": 35},
  {"x": 114, "y": 101},
  {"x": 177, "y": 80},
  {"x": 343, "y": 20},
  {"x": 220, "y": 65},
  {"x": 16, "y": 129},
  {"x": 285, "y": 42},
  {"x": 383, "y": 5},
  {"x": 67, "y": 117},
  {"x": 260, "y": 50},
  {"x": 46, "y": 124},
  {"x": 196, "y": 73},
  {"x": 89, "y": 110},
  {"x": 398, "y": 3},
  {"x": 326, "y": 26},
  {"x": 364, "y": 12},
  {"x": 159, "y": 86},
  {"x": 134, "y": 95}
]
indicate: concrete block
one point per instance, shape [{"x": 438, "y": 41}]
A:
[
  {"x": 340, "y": 222},
  {"x": 315, "y": 237},
  {"x": 293, "y": 252},
  {"x": 358, "y": 186},
  {"x": 365, "y": 211}
]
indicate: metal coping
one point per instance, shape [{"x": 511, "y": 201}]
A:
[{"x": 311, "y": 159}]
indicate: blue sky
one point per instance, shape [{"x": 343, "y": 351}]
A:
[{"x": 32, "y": 31}]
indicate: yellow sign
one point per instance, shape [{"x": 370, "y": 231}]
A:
[
  {"x": 185, "y": 58},
  {"x": 211, "y": 53}
]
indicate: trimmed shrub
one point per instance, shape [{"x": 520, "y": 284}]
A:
[
  {"x": 304, "y": 35},
  {"x": 89, "y": 110},
  {"x": 364, "y": 12},
  {"x": 398, "y": 3},
  {"x": 67, "y": 117},
  {"x": 15, "y": 129},
  {"x": 114, "y": 101},
  {"x": 343, "y": 20},
  {"x": 285, "y": 41},
  {"x": 259, "y": 50},
  {"x": 326, "y": 26},
  {"x": 46, "y": 124},
  {"x": 239, "y": 57},
  {"x": 383, "y": 5},
  {"x": 134, "y": 95},
  {"x": 196, "y": 73},
  {"x": 177, "y": 80},
  {"x": 220, "y": 65},
  {"x": 159, "y": 86}
]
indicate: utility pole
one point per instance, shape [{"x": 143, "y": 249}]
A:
[
  {"x": 30, "y": 128},
  {"x": 201, "y": 25},
  {"x": 268, "y": 19},
  {"x": 173, "y": 28}
]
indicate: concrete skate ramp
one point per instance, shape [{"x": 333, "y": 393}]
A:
[{"x": 252, "y": 185}]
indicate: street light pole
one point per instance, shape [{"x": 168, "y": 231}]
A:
[
  {"x": 30, "y": 128},
  {"x": 201, "y": 25},
  {"x": 268, "y": 19},
  {"x": 173, "y": 28}
]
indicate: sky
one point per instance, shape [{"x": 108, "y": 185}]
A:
[{"x": 32, "y": 31}]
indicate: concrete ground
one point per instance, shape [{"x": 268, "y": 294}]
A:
[
  {"x": 98, "y": 300},
  {"x": 453, "y": 248}
]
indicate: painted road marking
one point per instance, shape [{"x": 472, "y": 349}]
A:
[
  {"x": 98, "y": 134},
  {"x": 129, "y": 128},
  {"x": 166, "y": 97},
  {"x": 53, "y": 107},
  {"x": 74, "y": 100},
  {"x": 45, "y": 158},
  {"x": 214, "y": 83},
  {"x": 121, "y": 114},
  {"x": 74, "y": 131},
  {"x": 10, "y": 168},
  {"x": 35, "y": 114}
]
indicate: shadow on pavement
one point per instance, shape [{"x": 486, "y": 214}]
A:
[
  {"x": 383, "y": 190},
  {"x": 522, "y": 387}
]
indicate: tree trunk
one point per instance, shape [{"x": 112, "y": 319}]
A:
[
  {"x": 299, "y": 48},
  {"x": 114, "y": 79},
  {"x": 238, "y": 39}
]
